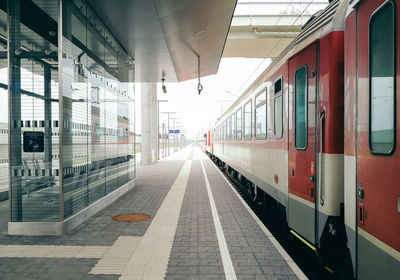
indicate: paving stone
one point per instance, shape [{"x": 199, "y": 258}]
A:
[
  {"x": 195, "y": 234},
  {"x": 252, "y": 253},
  {"x": 195, "y": 253},
  {"x": 40, "y": 268},
  {"x": 100, "y": 230}
]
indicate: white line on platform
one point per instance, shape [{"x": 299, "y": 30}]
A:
[
  {"x": 223, "y": 247},
  {"x": 278, "y": 246},
  {"x": 150, "y": 260}
]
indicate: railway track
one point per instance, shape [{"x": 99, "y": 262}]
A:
[{"x": 307, "y": 259}]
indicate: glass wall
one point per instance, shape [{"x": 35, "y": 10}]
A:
[
  {"x": 70, "y": 126},
  {"x": 96, "y": 99},
  {"x": 33, "y": 115},
  {"x": 3, "y": 108}
]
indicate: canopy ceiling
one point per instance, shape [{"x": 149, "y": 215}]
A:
[{"x": 167, "y": 35}]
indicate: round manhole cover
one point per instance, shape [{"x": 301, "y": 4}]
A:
[{"x": 129, "y": 218}]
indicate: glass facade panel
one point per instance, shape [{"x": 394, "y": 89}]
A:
[
  {"x": 247, "y": 120},
  {"x": 382, "y": 77},
  {"x": 74, "y": 135},
  {"x": 301, "y": 101},
  {"x": 97, "y": 97},
  {"x": 33, "y": 118}
]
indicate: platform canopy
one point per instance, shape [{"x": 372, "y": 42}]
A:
[
  {"x": 264, "y": 28},
  {"x": 168, "y": 35}
]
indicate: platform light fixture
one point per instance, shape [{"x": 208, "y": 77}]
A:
[
  {"x": 164, "y": 88},
  {"x": 199, "y": 85}
]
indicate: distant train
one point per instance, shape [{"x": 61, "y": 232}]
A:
[{"x": 317, "y": 135}]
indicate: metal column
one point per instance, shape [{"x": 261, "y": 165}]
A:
[
  {"x": 14, "y": 111},
  {"x": 149, "y": 123},
  {"x": 48, "y": 153}
]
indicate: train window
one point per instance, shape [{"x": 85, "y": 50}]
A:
[
  {"x": 247, "y": 120},
  {"x": 278, "y": 104},
  {"x": 382, "y": 80},
  {"x": 239, "y": 124},
  {"x": 233, "y": 126},
  {"x": 225, "y": 130},
  {"x": 261, "y": 115},
  {"x": 301, "y": 102},
  {"x": 228, "y": 128}
]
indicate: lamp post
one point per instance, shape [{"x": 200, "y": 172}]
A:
[
  {"x": 180, "y": 126},
  {"x": 173, "y": 129},
  {"x": 168, "y": 113},
  {"x": 158, "y": 126}
]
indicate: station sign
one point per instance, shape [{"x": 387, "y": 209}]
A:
[
  {"x": 177, "y": 131},
  {"x": 33, "y": 142}
]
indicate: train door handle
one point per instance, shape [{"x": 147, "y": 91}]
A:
[
  {"x": 361, "y": 214},
  {"x": 321, "y": 143},
  {"x": 398, "y": 204}
]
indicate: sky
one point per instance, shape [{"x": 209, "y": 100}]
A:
[
  {"x": 199, "y": 112},
  {"x": 234, "y": 76}
]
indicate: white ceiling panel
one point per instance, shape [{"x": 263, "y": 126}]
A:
[{"x": 167, "y": 35}]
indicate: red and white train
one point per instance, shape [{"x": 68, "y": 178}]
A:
[{"x": 318, "y": 132}]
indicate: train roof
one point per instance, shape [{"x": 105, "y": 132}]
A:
[{"x": 332, "y": 18}]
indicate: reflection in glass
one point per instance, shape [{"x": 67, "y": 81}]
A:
[
  {"x": 278, "y": 117},
  {"x": 382, "y": 74},
  {"x": 301, "y": 100},
  {"x": 247, "y": 120},
  {"x": 239, "y": 124},
  {"x": 97, "y": 96},
  {"x": 86, "y": 118},
  {"x": 261, "y": 116}
]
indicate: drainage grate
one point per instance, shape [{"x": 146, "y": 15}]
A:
[{"x": 130, "y": 218}]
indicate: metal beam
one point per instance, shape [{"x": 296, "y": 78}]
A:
[{"x": 29, "y": 93}]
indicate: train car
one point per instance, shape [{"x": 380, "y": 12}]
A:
[
  {"x": 372, "y": 156},
  {"x": 317, "y": 133},
  {"x": 285, "y": 133},
  {"x": 209, "y": 141}
]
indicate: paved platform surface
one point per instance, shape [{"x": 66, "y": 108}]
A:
[{"x": 200, "y": 228}]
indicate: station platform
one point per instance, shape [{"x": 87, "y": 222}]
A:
[{"x": 198, "y": 228}]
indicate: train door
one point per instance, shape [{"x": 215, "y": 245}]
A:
[
  {"x": 378, "y": 155},
  {"x": 302, "y": 156}
]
